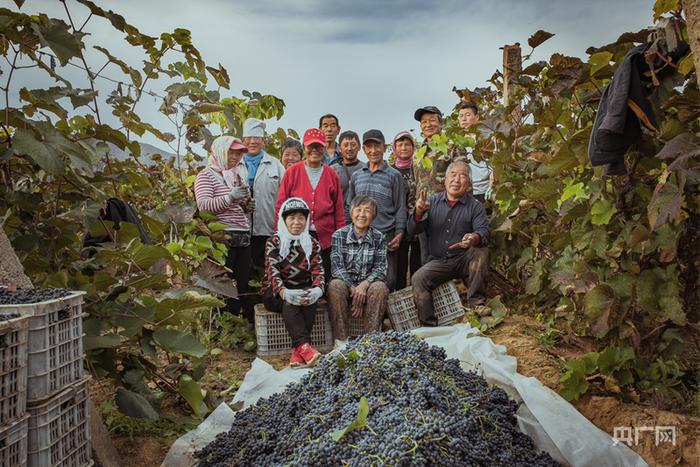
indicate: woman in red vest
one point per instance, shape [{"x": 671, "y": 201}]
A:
[{"x": 319, "y": 186}]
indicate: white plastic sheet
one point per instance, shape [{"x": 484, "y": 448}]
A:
[{"x": 554, "y": 424}]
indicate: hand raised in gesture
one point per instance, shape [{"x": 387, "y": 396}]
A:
[{"x": 422, "y": 203}]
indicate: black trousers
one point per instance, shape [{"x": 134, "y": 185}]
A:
[
  {"x": 298, "y": 319},
  {"x": 407, "y": 256},
  {"x": 257, "y": 246},
  {"x": 238, "y": 260},
  {"x": 325, "y": 260},
  {"x": 391, "y": 263}
]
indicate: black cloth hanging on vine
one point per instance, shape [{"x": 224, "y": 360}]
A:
[
  {"x": 117, "y": 211},
  {"x": 622, "y": 107}
]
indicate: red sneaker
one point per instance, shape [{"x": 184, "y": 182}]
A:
[
  {"x": 296, "y": 359},
  {"x": 309, "y": 354}
]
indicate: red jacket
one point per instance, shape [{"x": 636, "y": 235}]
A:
[{"x": 325, "y": 202}]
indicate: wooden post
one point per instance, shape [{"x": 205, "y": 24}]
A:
[
  {"x": 692, "y": 21},
  {"x": 512, "y": 66},
  {"x": 103, "y": 451}
]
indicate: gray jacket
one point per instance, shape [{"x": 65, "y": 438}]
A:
[{"x": 265, "y": 187}]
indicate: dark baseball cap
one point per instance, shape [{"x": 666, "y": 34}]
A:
[
  {"x": 293, "y": 205},
  {"x": 373, "y": 135},
  {"x": 428, "y": 109}
]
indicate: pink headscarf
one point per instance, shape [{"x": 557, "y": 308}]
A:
[
  {"x": 218, "y": 161},
  {"x": 403, "y": 163}
]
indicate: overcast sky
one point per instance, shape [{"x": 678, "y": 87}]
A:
[{"x": 370, "y": 62}]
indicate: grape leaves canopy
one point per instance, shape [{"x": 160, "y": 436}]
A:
[{"x": 610, "y": 260}]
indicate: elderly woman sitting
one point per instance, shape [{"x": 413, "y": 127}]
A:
[
  {"x": 293, "y": 280},
  {"x": 358, "y": 268}
]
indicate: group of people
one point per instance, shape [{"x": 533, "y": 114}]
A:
[{"x": 318, "y": 221}]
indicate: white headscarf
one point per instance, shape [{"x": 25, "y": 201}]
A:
[
  {"x": 286, "y": 238},
  {"x": 218, "y": 162}
]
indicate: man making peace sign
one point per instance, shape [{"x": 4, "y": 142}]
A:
[{"x": 457, "y": 229}]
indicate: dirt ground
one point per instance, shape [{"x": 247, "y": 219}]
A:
[{"x": 519, "y": 334}]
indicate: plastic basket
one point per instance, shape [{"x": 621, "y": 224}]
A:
[
  {"x": 55, "y": 344},
  {"x": 402, "y": 310},
  {"x": 355, "y": 328},
  {"x": 403, "y": 313},
  {"x": 13, "y": 443},
  {"x": 273, "y": 338},
  {"x": 448, "y": 305},
  {"x": 59, "y": 429},
  {"x": 13, "y": 369}
]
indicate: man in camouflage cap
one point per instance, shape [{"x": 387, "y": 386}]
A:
[{"x": 433, "y": 179}]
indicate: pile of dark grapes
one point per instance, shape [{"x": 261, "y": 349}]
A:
[
  {"x": 23, "y": 296},
  {"x": 9, "y": 316},
  {"x": 423, "y": 410}
]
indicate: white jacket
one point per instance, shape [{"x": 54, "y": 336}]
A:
[{"x": 265, "y": 186}]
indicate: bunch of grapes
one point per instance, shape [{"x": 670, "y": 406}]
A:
[
  {"x": 420, "y": 408},
  {"x": 24, "y": 296},
  {"x": 9, "y": 316}
]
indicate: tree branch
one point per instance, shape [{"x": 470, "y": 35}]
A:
[{"x": 7, "y": 90}]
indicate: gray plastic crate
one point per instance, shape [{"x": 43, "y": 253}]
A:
[
  {"x": 59, "y": 429},
  {"x": 13, "y": 443},
  {"x": 13, "y": 369},
  {"x": 355, "y": 326},
  {"x": 272, "y": 336},
  {"x": 403, "y": 313},
  {"x": 55, "y": 344}
]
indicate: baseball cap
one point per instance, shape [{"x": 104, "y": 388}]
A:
[
  {"x": 294, "y": 205},
  {"x": 238, "y": 144},
  {"x": 314, "y": 135},
  {"x": 373, "y": 135},
  {"x": 428, "y": 109}
]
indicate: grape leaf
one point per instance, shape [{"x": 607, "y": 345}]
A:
[
  {"x": 602, "y": 211},
  {"x": 359, "y": 422}
]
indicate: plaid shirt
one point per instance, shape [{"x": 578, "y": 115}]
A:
[{"x": 353, "y": 260}]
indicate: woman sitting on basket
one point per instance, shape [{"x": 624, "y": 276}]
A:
[
  {"x": 359, "y": 271},
  {"x": 293, "y": 280}
]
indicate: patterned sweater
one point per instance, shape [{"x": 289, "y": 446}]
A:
[{"x": 294, "y": 271}]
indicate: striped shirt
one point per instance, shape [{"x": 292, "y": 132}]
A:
[
  {"x": 211, "y": 195},
  {"x": 386, "y": 187}
]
